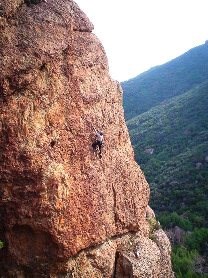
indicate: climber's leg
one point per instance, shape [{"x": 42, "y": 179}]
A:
[{"x": 100, "y": 149}]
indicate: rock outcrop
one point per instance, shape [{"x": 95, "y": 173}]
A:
[{"x": 64, "y": 211}]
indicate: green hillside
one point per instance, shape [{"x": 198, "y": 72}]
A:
[
  {"x": 177, "y": 134},
  {"x": 166, "y": 81},
  {"x": 167, "y": 115},
  {"x": 171, "y": 145}
]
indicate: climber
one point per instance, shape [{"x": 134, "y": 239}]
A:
[{"x": 98, "y": 144}]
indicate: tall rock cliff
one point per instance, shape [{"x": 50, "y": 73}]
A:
[{"x": 64, "y": 211}]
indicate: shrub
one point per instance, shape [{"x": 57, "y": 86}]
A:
[
  {"x": 170, "y": 220},
  {"x": 183, "y": 262},
  {"x": 1, "y": 244},
  {"x": 197, "y": 240},
  {"x": 154, "y": 225}
]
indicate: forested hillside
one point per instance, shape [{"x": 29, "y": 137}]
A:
[
  {"x": 169, "y": 132},
  {"x": 171, "y": 145},
  {"x": 166, "y": 81}
]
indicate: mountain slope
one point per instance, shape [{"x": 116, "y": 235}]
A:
[
  {"x": 171, "y": 145},
  {"x": 166, "y": 81},
  {"x": 167, "y": 112}
]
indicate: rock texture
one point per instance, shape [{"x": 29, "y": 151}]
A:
[{"x": 65, "y": 212}]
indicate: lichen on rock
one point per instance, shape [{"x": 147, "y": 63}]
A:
[{"x": 61, "y": 206}]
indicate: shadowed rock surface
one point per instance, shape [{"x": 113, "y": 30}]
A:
[{"x": 64, "y": 212}]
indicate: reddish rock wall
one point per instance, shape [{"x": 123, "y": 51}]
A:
[{"x": 57, "y": 197}]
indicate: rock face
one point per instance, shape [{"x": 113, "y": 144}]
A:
[{"x": 64, "y": 211}]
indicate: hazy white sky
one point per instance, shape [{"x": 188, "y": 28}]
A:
[{"x": 139, "y": 34}]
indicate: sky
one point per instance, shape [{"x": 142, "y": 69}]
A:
[{"x": 140, "y": 34}]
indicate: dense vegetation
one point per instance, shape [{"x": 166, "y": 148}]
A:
[
  {"x": 166, "y": 81},
  {"x": 177, "y": 133},
  {"x": 171, "y": 146}
]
